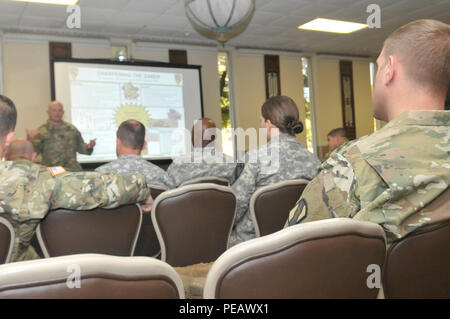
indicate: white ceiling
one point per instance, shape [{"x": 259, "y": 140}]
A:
[{"x": 274, "y": 24}]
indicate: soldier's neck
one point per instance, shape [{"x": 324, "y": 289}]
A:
[
  {"x": 128, "y": 152},
  {"x": 55, "y": 123}
]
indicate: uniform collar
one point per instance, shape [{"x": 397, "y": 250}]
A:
[
  {"x": 48, "y": 124},
  {"x": 22, "y": 161},
  {"x": 130, "y": 156},
  {"x": 423, "y": 118}
]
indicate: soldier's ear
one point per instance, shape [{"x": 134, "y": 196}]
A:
[
  {"x": 8, "y": 139},
  {"x": 33, "y": 156},
  {"x": 390, "y": 69}
]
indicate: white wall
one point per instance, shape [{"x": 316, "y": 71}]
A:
[
  {"x": 27, "y": 82},
  {"x": 27, "y": 72},
  {"x": 327, "y": 97},
  {"x": 250, "y": 88}
]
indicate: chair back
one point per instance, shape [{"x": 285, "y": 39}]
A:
[
  {"x": 193, "y": 223},
  {"x": 6, "y": 240},
  {"x": 330, "y": 258},
  {"x": 270, "y": 205},
  {"x": 206, "y": 179},
  {"x": 418, "y": 265},
  {"x": 98, "y": 231},
  {"x": 90, "y": 276},
  {"x": 147, "y": 243}
]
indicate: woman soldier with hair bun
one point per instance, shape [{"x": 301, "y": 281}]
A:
[{"x": 282, "y": 158}]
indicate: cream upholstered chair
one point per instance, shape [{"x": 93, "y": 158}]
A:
[
  {"x": 90, "y": 276},
  {"x": 99, "y": 231},
  {"x": 147, "y": 243},
  {"x": 206, "y": 179},
  {"x": 322, "y": 259},
  {"x": 6, "y": 240},
  {"x": 270, "y": 205},
  {"x": 193, "y": 223}
]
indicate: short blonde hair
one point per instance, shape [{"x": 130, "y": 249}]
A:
[{"x": 423, "y": 47}]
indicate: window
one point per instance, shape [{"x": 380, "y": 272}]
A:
[
  {"x": 227, "y": 141},
  {"x": 307, "y": 94}
]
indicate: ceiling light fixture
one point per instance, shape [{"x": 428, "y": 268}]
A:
[
  {"x": 59, "y": 2},
  {"x": 220, "y": 20},
  {"x": 335, "y": 26}
]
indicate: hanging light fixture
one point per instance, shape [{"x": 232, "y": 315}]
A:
[{"x": 219, "y": 20}]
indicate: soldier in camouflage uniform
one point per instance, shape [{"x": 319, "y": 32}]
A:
[
  {"x": 21, "y": 151},
  {"x": 29, "y": 191},
  {"x": 204, "y": 160},
  {"x": 282, "y": 158},
  {"x": 58, "y": 142},
  {"x": 397, "y": 177},
  {"x": 129, "y": 144},
  {"x": 336, "y": 138}
]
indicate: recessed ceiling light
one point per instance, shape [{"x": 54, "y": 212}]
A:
[
  {"x": 336, "y": 26},
  {"x": 61, "y": 2}
]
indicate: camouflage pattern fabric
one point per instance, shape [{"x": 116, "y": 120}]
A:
[
  {"x": 22, "y": 161},
  {"x": 28, "y": 192},
  {"x": 327, "y": 154},
  {"x": 385, "y": 177},
  {"x": 130, "y": 164},
  {"x": 201, "y": 162},
  {"x": 294, "y": 162},
  {"x": 58, "y": 145}
]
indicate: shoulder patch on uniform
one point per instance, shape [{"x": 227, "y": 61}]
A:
[
  {"x": 298, "y": 213},
  {"x": 57, "y": 170}
]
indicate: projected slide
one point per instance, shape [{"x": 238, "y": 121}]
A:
[{"x": 98, "y": 98}]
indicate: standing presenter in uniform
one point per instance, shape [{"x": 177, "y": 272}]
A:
[{"x": 57, "y": 141}]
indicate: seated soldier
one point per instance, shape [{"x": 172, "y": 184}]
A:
[
  {"x": 336, "y": 138},
  {"x": 204, "y": 160},
  {"x": 389, "y": 176},
  {"x": 21, "y": 151},
  {"x": 28, "y": 191},
  {"x": 130, "y": 142},
  {"x": 282, "y": 158}
]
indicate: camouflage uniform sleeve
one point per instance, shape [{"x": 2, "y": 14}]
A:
[
  {"x": 243, "y": 188},
  {"x": 39, "y": 140},
  {"x": 88, "y": 190},
  {"x": 82, "y": 147},
  {"x": 330, "y": 194}
]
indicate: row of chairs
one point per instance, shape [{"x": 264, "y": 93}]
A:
[
  {"x": 184, "y": 240},
  {"x": 188, "y": 225},
  {"x": 269, "y": 208},
  {"x": 323, "y": 259}
]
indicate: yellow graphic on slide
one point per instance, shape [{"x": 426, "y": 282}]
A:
[{"x": 132, "y": 112}]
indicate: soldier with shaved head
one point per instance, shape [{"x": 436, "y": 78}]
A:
[
  {"x": 20, "y": 151},
  {"x": 28, "y": 191},
  {"x": 398, "y": 176},
  {"x": 57, "y": 141},
  {"x": 204, "y": 160},
  {"x": 129, "y": 144}
]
